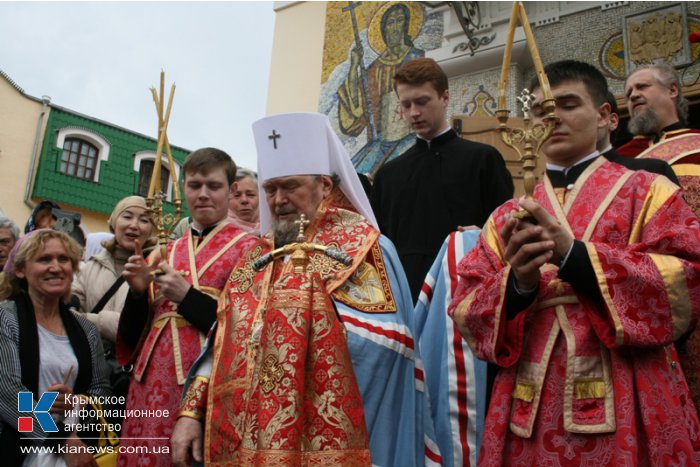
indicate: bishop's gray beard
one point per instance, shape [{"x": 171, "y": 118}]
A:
[
  {"x": 644, "y": 123},
  {"x": 285, "y": 232}
]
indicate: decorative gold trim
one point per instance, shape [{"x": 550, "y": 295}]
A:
[
  {"x": 605, "y": 292},
  {"x": 177, "y": 353},
  {"x": 498, "y": 314},
  {"x": 687, "y": 170},
  {"x": 493, "y": 239},
  {"x": 192, "y": 256},
  {"x": 374, "y": 269},
  {"x": 680, "y": 148},
  {"x": 556, "y": 207},
  {"x": 581, "y": 181},
  {"x": 671, "y": 270},
  {"x": 459, "y": 317},
  {"x": 171, "y": 256},
  {"x": 194, "y": 403},
  {"x": 524, "y": 390},
  {"x": 189, "y": 414},
  {"x": 593, "y": 389},
  {"x": 534, "y": 372},
  {"x": 211, "y": 234},
  {"x": 241, "y": 277},
  {"x": 166, "y": 317},
  {"x": 285, "y": 458},
  {"x": 552, "y": 302},
  {"x": 659, "y": 192},
  {"x": 605, "y": 204},
  {"x": 586, "y": 385},
  {"x": 220, "y": 252}
]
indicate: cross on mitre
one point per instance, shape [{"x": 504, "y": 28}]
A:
[{"x": 274, "y": 137}]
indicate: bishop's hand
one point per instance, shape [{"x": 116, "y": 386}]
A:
[{"x": 186, "y": 441}]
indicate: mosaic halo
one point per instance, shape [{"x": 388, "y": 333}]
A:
[{"x": 374, "y": 32}]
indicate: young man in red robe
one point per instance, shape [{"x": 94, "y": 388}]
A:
[
  {"x": 167, "y": 316},
  {"x": 580, "y": 306}
]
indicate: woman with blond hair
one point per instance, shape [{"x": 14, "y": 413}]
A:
[{"x": 44, "y": 346}]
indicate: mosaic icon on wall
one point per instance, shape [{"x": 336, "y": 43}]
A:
[
  {"x": 611, "y": 56},
  {"x": 365, "y": 43},
  {"x": 656, "y": 36}
]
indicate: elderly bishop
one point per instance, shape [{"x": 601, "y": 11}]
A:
[{"x": 320, "y": 367}]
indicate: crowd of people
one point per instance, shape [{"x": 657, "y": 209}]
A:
[{"x": 296, "y": 319}]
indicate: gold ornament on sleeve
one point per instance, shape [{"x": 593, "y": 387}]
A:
[
  {"x": 164, "y": 222},
  {"x": 528, "y": 140}
]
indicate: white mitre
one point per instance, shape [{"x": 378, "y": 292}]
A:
[{"x": 304, "y": 144}]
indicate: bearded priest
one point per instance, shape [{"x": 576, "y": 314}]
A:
[{"x": 319, "y": 366}]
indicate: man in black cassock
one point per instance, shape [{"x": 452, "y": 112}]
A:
[{"x": 439, "y": 184}]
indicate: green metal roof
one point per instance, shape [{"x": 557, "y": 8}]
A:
[{"x": 117, "y": 177}]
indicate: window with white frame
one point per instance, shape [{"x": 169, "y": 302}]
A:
[
  {"x": 82, "y": 152},
  {"x": 143, "y": 164}
]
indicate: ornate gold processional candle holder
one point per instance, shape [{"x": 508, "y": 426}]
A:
[
  {"x": 164, "y": 221},
  {"x": 528, "y": 140}
]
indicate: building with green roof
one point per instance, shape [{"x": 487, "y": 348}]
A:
[
  {"x": 90, "y": 164},
  {"x": 84, "y": 164}
]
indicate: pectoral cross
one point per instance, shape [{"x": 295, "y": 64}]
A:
[
  {"x": 302, "y": 223},
  {"x": 274, "y": 137}
]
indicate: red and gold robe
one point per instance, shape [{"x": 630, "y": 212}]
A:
[
  {"x": 681, "y": 149},
  {"x": 172, "y": 343},
  {"x": 587, "y": 381},
  {"x": 282, "y": 389}
]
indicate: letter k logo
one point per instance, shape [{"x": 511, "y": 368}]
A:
[{"x": 25, "y": 403}]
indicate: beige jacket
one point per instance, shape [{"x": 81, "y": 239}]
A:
[{"x": 94, "y": 279}]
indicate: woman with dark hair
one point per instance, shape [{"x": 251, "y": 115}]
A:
[
  {"x": 42, "y": 216},
  {"x": 43, "y": 345}
]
